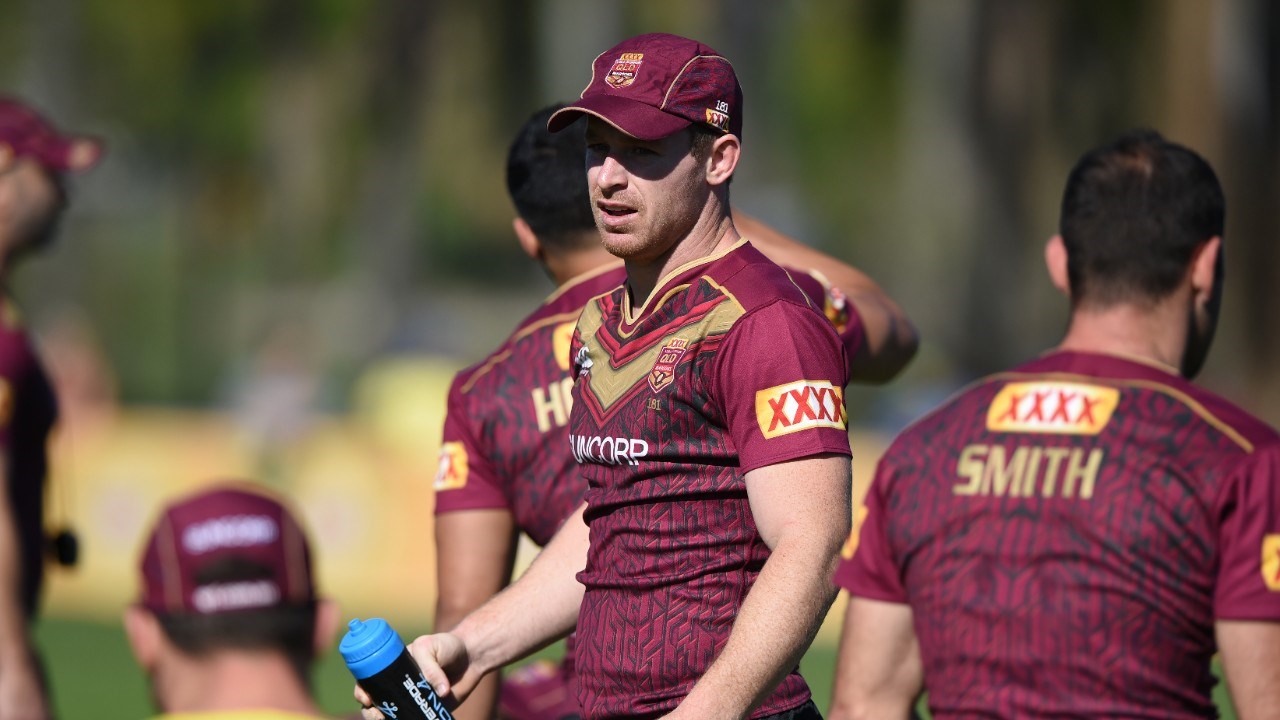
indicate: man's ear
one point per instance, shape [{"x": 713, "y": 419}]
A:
[
  {"x": 723, "y": 159},
  {"x": 327, "y": 619},
  {"x": 1055, "y": 259},
  {"x": 529, "y": 242},
  {"x": 1204, "y": 270},
  {"x": 144, "y": 634}
]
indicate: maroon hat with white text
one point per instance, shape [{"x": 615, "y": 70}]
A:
[
  {"x": 229, "y": 547},
  {"x": 26, "y": 133},
  {"x": 651, "y": 86}
]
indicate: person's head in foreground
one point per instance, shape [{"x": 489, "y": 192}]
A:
[
  {"x": 34, "y": 160},
  {"x": 1141, "y": 234},
  {"x": 228, "y": 616},
  {"x": 664, "y": 129}
]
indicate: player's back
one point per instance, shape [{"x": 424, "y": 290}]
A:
[
  {"x": 506, "y": 434},
  {"x": 1066, "y": 535}
]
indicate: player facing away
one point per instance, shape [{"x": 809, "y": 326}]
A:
[
  {"x": 1076, "y": 537},
  {"x": 506, "y": 466},
  {"x": 708, "y": 419},
  {"x": 34, "y": 158},
  {"x": 229, "y": 624}
]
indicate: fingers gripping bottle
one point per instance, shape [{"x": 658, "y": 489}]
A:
[{"x": 378, "y": 659}]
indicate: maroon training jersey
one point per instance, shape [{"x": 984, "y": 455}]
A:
[
  {"x": 726, "y": 369},
  {"x": 506, "y": 428},
  {"x": 27, "y": 414},
  {"x": 1066, "y": 535}
]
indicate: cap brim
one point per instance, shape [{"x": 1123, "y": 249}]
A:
[
  {"x": 637, "y": 119},
  {"x": 72, "y": 154}
]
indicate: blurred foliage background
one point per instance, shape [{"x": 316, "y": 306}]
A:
[
  {"x": 321, "y": 182},
  {"x": 301, "y": 227}
]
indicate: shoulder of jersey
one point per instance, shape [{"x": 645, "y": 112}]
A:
[{"x": 754, "y": 280}]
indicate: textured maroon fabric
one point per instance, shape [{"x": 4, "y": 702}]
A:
[
  {"x": 1066, "y": 535},
  {"x": 729, "y": 369},
  {"x": 28, "y": 411},
  {"x": 225, "y": 521}
]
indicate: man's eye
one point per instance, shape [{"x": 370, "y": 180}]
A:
[
  {"x": 597, "y": 148},
  {"x": 643, "y": 151}
]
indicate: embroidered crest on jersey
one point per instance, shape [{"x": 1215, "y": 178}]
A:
[
  {"x": 1063, "y": 408},
  {"x": 800, "y": 405},
  {"x": 452, "y": 472},
  {"x": 664, "y": 367},
  {"x": 624, "y": 70},
  {"x": 561, "y": 338},
  {"x": 1271, "y": 561},
  {"x": 837, "y": 309}
]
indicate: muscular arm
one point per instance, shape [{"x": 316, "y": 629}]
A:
[
  {"x": 1251, "y": 661},
  {"x": 802, "y": 511},
  {"x": 878, "y": 669},
  {"x": 891, "y": 339},
  {"x": 539, "y": 608},
  {"x": 21, "y": 692},
  {"x": 475, "y": 551}
]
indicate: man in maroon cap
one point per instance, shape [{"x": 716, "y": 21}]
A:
[
  {"x": 229, "y": 620},
  {"x": 34, "y": 157},
  {"x": 707, "y": 418}
]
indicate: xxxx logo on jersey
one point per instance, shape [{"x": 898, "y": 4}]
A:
[
  {"x": 1271, "y": 561},
  {"x": 452, "y": 472},
  {"x": 1064, "y": 408},
  {"x": 664, "y": 368},
  {"x": 800, "y": 405}
]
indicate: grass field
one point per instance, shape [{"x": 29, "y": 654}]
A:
[{"x": 94, "y": 676}]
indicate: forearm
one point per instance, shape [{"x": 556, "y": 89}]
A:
[
  {"x": 774, "y": 627},
  {"x": 890, "y": 339},
  {"x": 539, "y": 608}
]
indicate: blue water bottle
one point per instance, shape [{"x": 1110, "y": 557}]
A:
[{"x": 382, "y": 665}]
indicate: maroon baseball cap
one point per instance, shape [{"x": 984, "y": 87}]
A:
[
  {"x": 185, "y": 566},
  {"x": 25, "y": 132},
  {"x": 653, "y": 85}
]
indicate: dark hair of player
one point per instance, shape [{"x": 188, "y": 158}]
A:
[
  {"x": 547, "y": 181},
  {"x": 1133, "y": 213},
  {"x": 288, "y": 629}
]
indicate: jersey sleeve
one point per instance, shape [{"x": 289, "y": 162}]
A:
[
  {"x": 779, "y": 379},
  {"x": 1248, "y": 586},
  {"x": 465, "y": 477},
  {"x": 867, "y": 568},
  {"x": 835, "y": 306}
]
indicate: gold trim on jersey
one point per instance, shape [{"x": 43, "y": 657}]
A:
[
  {"x": 502, "y": 356},
  {"x": 608, "y": 384},
  {"x": 1122, "y": 355},
  {"x": 631, "y": 318},
  {"x": 577, "y": 280},
  {"x": 1152, "y": 385}
]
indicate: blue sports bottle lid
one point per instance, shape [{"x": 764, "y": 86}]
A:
[{"x": 369, "y": 647}]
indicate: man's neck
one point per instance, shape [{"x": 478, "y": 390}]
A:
[
  {"x": 1157, "y": 335},
  {"x": 233, "y": 680},
  {"x": 568, "y": 266},
  {"x": 713, "y": 232}
]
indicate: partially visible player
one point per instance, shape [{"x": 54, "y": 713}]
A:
[
  {"x": 34, "y": 157},
  {"x": 505, "y": 465},
  {"x": 229, "y": 624},
  {"x": 1077, "y": 536}
]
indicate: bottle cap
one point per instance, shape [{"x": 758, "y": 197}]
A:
[{"x": 369, "y": 647}]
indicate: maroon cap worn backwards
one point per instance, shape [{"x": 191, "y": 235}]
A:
[
  {"x": 653, "y": 85},
  {"x": 230, "y": 547},
  {"x": 25, "y": 133}
]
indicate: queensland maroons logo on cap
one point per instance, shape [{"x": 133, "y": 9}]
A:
[{"x": 624, "y": 70}]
